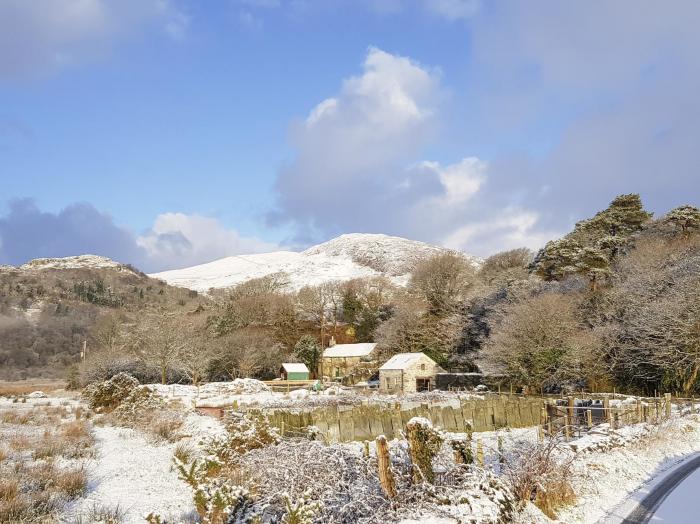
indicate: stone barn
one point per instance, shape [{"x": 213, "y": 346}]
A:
[
  {"x": 408, "y": 373},
  {"x": 346, "y": 360},
  {"x": 294, "y": 371}
]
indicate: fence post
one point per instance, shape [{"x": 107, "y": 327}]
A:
[
  {"x": 589, "y": 418},
  {"x": 667, "y": 399},
  {"x": 606, "y": 409},
  {"x": 479, "y": 453},
  {"x": 386, "y": 476}
]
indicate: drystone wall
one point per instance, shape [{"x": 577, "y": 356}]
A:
[{"x": 366, "y": 421}]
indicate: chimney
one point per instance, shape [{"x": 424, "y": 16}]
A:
[{"x": 331, "y": 342}]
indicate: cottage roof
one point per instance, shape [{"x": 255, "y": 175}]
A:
[
  {"x": 295, "y": 367},
  {"x": 350, "y": 350},
  {"x": 403, "y": 360}
]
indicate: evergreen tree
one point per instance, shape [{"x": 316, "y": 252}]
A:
[
  {"x": 685, "y": 218},
  {"x": 594, "y": 243},
  {"x": 308, "y": 351}
]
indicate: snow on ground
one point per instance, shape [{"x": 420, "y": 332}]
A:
[
  {"x": 642, "y": 452},
  {"x": 74, "y": 262},
  {"x": 134, "y": 475}
]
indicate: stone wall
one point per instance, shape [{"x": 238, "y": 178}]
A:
[{"x": 366, "y": 421}]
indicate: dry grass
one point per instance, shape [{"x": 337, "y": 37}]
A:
[
  {"x": 24, "y": 387},
  {"x": 538, "y": 473},
  {"x": 33, "y": 486},
  {"x": 166, "y": 428},
  {"x": 184, "y": 452},
  {"x": 72, "y": 482}
]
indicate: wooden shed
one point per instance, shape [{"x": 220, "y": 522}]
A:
[{"x": 294, "y": 371}]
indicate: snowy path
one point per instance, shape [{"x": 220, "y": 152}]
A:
[{"x": 135, "y": 475}]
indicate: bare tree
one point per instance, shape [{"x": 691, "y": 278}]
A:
[
  {"x": 159, "y": 341},
  {"x": 443, "y": 281},
  {"x": 541, "y": 342}
]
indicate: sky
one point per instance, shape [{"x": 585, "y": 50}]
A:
[{"x": 167, "y": 133}]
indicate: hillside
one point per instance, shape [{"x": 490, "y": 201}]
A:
[
  {"x": 49, "y": 306},
  {"x": 343, "y": 258}
]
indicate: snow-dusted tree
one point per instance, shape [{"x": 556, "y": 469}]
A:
[
  {"x": 320, "y": 305},
  {"x": 540, "y": 342},
  {"x": 442, "y": 280},
  {"x": 686, "y": 218},
  {"x": 309, "y": 352}
]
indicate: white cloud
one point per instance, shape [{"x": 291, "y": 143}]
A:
[
  {"x": 180, "y": 240},
  {"x": 358, "y": 166},
  {"x": 37, "y": 37},
  {"x": 505, "y": 229},
  {"x": 460, "y": 181}
]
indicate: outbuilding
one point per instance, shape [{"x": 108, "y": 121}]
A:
[
  {"x": 294, "y": 371},
  {"x": 343, "y": 360},
  {"x": 408, "y": 373}
]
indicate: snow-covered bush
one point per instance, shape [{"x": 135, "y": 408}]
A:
[
  {"x": 217, "y": 500},
  {"x": 106, "y": 395},
  {"x": 302, "y": 510},
  {"x": 424, "y": 443},
  {"x": 243, "y": 434},
  {"x": 342, "y": 483},
  {"x": 138, "y": 402}
]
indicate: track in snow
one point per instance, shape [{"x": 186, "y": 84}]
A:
[{"x": 135, "y": 475}]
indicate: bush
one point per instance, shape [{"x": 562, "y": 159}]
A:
[
  {"x": 538, "y": 473},
  {"x": 107, "y": 395},
  {"x": 243, "y": 434}
]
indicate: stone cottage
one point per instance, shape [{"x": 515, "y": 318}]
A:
[
  {"x": 345, "y": 361},
  {"x": 408, "y": 373}
]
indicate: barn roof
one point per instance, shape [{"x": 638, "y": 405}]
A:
[
  {"x": 403, "y": 360},
  {"x": 295, "y": 367},
  {"x": 350, "y": 350}
]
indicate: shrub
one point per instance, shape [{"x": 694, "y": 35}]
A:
[
  {"x": 72, "y": 482},
  {"x": 216, "y": 499},
  {"x": 539, "y": 473},
  {"x": 105, "y": 396},
  {"x": 243, "y": 434}
]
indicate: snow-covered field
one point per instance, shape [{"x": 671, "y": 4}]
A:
[
  {"x": 343, "y": 258},
  {"x": 131, "y": 474}
]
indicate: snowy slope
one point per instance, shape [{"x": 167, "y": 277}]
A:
[
  {"x": 76, "y": 262},
  {"x": 343, "y": 258}
]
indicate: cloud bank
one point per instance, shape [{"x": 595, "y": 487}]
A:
[{"x": 175, "y": 239}]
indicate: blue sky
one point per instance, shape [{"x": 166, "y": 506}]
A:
[{"x": 172, "y": 132}]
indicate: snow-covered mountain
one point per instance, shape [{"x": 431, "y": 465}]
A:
[{"x": 342, "y": 258}]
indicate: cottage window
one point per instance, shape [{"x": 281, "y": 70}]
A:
[{"x": 422, "y": 367}]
